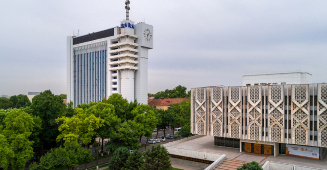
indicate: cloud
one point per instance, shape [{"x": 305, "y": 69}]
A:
[{"x": 196, "y": 43}]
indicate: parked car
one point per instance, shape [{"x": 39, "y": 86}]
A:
[
  {"x": 163, "y": 138},
  {"x": 177, "y": 129},
  {"x": 155, "y": 129},
  {"x": 152, "y": 141},
  {"x": 157, "y": 140},
  {"x": 168, "y": 136}
]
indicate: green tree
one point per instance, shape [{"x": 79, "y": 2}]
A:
[
  {"x": 124, "y": 135},
  {"x": 165, "y": 118},
  {"x": 119, "y": 158},
  {"x": 145, "y": 120},
  {"x": 134, "y": 161},
  {"x": 63, "y": 96},
  {"x": 181, "y": 113},
  {"x": 80, "y": 126},
  {"x": 120, "y": 104},
  {"x": 250, "y": 166},
  {"x": 48, "y": 107},
  {"x": 20, "y": 101},
  {"x": 18, "y": 127},
  {"x": 5, "y": 103},
  {"x": 107, "y": 113},
  {"x": 156, "y": 158},
  {"x": 2, "y": 118},
  {"x": 178, "y": 92},
  {"x": 6, "y": 153}
]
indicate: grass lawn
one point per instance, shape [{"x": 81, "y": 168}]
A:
[{"x": 176, "y": 169}]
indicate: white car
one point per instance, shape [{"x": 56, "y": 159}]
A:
[
  {"x": 152, "y": 141},
  {"x": 157, "y": 140}
]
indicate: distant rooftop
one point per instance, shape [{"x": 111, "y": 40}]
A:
[
  {"x": 34, "y": 93},
  {"x": 259, "y": 74},
  {"x": 165, "y": 102}
]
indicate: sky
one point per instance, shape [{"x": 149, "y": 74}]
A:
[{"x": 196, "y": 43}]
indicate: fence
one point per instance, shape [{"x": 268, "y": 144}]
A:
[{"x": 269, "y": 165}]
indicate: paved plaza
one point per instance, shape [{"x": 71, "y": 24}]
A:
[{"x": 234, "y": 156}]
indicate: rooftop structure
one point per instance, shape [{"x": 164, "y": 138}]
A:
[
  {"x": 277, "y": 78},
  {"x": 165, "y": 103}
]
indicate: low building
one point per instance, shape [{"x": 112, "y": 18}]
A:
[
  {"x": 30, "y": 95},
  {"x": 264, "y": 119},
  {"x": 164, "y": 104},
  {"x": 277, "y": 78}
]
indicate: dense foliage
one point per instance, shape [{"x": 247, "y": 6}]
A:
[
  {"x": 48, "y": 107},
  {"x": 250, "y": 166},
  {"x": 16, "y": 148},
  {"x": 177, "y": 92},
  {"x": 152, "y": 159},
  {"x": 181, "y": 113},
  {"x": 58, "y": 136},
  {"x": 156, "y": 158}
]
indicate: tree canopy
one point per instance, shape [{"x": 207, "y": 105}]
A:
[
  {"x": 48, "y": 107},
  {"x": 156, "y": 158},
  {"x": 5, "y": 103},
  {"x": 18, "y": 126},
  {"x": 250, "y": 166},
  {"x": 178, "y": 92},
  {"x": 20, "y": 101}
]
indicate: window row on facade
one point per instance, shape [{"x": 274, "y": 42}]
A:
[{"x": 89, "y": 76}]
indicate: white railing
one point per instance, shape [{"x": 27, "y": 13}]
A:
[
  {"x": 269, "y": 165},
  {"x": 182, "y": 140},
  {"x": 216, "y": 163}
]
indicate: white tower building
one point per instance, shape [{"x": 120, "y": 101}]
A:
[{"x": 108, "y": 62}]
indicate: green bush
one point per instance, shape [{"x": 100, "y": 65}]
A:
[{"x": 250, "y": 166}]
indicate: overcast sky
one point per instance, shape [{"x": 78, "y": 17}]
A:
[{"x": 196, "y": 43}]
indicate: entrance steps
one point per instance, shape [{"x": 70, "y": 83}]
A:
[{"x": 230, "y": 164}]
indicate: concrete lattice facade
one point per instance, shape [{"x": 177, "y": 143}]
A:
[{"x": 290, "y": 114}]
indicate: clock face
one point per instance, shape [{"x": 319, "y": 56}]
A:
[{"x": 147, "y": 34}]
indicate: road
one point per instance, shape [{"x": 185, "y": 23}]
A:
[{"x": 154, "y": 134}]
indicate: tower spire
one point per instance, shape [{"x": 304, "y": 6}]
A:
[{"x": 127, "y": 9}]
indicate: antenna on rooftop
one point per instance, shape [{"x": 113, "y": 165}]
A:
[{"x": 127, "y": 9}]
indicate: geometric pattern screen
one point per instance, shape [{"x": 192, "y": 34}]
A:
[
  {"x": 322, "y": 115},
  {"x": 235, "y": 112},
  {"x": 229, "y": 111},
  {"x": 200, "y": 111},
  {"x": 254, "y": 112},
  {"x": 300, "y": 114},
  {"x": 276, "y": 113},
  {"x": 216, "y": 108}
]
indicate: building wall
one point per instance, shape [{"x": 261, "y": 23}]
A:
[
  {"x": 288, "y": 78},
  {"x": 292, "y": 114},
  {"x": 108, "y": 62}
]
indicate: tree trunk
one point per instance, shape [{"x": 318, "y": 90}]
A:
[
  {"x": 42, "y": 151},
  {"x": 157, "y": 132},
  {"x": 85, "y": 165},
  {"x": 97, "y": 160},
  {"x": 102, "y": 145},
  {"x": 173, "y": 131},
  {"x": 164, "y": 132}
]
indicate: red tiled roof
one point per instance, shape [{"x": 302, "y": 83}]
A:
[{"x": 165, "y": 102}]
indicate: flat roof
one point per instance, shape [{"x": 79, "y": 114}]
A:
[
  {"x": 276, "y": 73},
  {"x": 94, "y": 36}
]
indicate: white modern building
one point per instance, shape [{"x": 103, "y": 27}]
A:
[
  {"x": 110, "y": 61},
  {"x": 288, "y": 119},
  {"x": 277, "y": 78}
]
